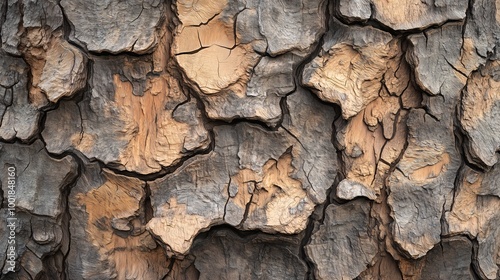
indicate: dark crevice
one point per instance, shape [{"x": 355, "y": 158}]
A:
[
  {"x": 455, "y": 68},
  {"x": 316, "y": 51},
  {"x": 241, "y": 233},
  {"x": 459, "y": 146},
  {"x": 66, "y": 216},
  {"x": 204, "y": 23},
  {"x": 305, "y": 240},
  {"x": 109, "y": 54},
  {"x": 247, "y": 206},
  {"x": 337, "y": 126},
  {"x": 313, "y": 219},
  {"x": 170, "y": 268},
  {"x": 211, "y": 123},
  {"x": 193, "y": 51},
  {"x": 285, "y": 111},
  {"x": 228, "y": 197},
  {"x": 294, "y": 137},
  {"x": 429, "y": 113},
  {"x": 148, "y": 208},
  {"x": 119, "y": 169},
  {"x": 475, "y": 267},
  {"x": 68, "y": 29}
]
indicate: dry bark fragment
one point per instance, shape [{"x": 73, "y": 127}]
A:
[
  {"x": 108, "y": 225},
  {"x": 480, "y": 115},
  {"x": 421, "y": 186},
  {"x": 220, "y": 45},
  {"x": 351, "y": 66},
  {"x": 149, "y": 120},
  {"x": 225, "y": 255},
  {"x": 406, "y": 14},
  {"x": 450, "y": 259},
  {"x": 474, "y": 213},
  {"x": 40, "y": 183},
  {"x": 343, "y": 246},
  {"x": 249, "y": 178},
  {"x": 114, "y": 26},
  {"x": 19, "y": 118}
]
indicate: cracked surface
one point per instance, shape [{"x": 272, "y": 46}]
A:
[
  {"x": 151, "y": 122},
  {"x": 350, "y": 66},
  {"x": 422, "y": 184},
  {"x": 261, "y": 256},
  {"x": 108, "y": 221},
  {"x": 19, "y": 117},
  {"x": 41, "y": 211},
  {"x": 253, "y": 179},
  {"x": 472, "y": 212},
  {"x": 233, "y": 58},
  {"x": 404, "y": 15},
  {"x": 114, "y": 26},
  {"x": 342, "y": 247},
  {"x": 250, "y": 139},
  {"x": 482, "y": 92}
]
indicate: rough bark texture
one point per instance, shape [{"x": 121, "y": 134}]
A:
[{"x": 246, "y": 139}]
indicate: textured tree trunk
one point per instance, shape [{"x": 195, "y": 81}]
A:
[{"x": 239, "y": 139}]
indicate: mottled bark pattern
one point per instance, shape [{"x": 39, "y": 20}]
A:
[{"x": 250, "y": 139}]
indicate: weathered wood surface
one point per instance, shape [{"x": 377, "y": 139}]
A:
[{"x": 233, "y": 139}]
